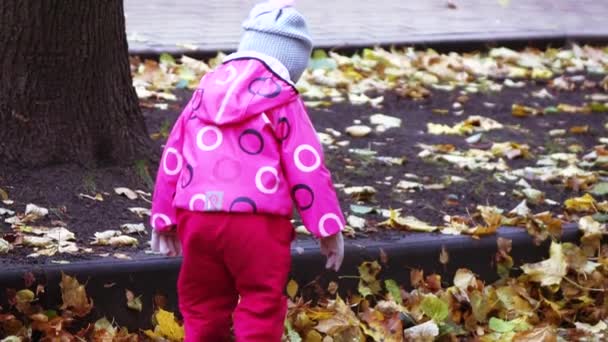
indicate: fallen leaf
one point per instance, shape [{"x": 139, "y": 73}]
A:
[
  {"x": 35, "y": 211},
  {"x": 140, "y": 212},
  {"x": 579, "y": 129},
  {"x": 368, "y": 282},
  {"x": 444, "y": 257},
  {"x": 393, "y": 290},
  {"x": 5, "y": 246},
  {"x": 356, "y": 222},
  {"x": 167, "y": 327},
  {"x": 426, "y": 331},
  {"x": 74, "y": 296},
  {"x": 600, "y": 189},
  {"x": 464, "y": 278},
  {"x": 539, "y": 334},
  {"x": 586, "y": 203},
  {"x": 292, "y": 289},
  {"x": 3, "y": 195},
  {"x": 130, "y": 194},
  {"x": 133, "y": 303},
  {"x": 600, "y": 327},
  {"x": 548, "y": 272},
  {"x": 434, "y": 308},
  {"x": 133, "y": 228}
]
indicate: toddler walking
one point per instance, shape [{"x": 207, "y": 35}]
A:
[{"x": 240, "y": 154}]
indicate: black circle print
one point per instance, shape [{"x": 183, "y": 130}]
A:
[
  {"x": 197, "y": 100},
  {"x": 245, "y": 200},
  {"x": 187, "y": 177},
  {"x": 283, "y": 129},
  {"x": 257, "y": 85},
  {"x": 306, "y": 188},
  {"x": 256, "y": 134}
]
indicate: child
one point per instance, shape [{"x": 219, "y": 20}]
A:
[{"x": 242, "y": 151}]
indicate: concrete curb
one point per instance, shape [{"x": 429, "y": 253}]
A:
[{"x": 106, "y": 280}]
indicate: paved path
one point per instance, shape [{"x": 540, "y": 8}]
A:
[{"x": 211, "y": 25}]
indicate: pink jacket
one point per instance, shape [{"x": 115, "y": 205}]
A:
[{"x": 245, "y": 144}]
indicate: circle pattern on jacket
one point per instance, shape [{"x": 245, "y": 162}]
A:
[
  {"x": 198, "y": 99},
  {"x": 261, "y": 184},
  {"x": 266, "y": 87},
  {"x": 187, "y": 176},
  {"x": 244, "y": 200},
  {"x": 298, "y": 194},
  {"x": 251, "y": 142},
  {"x": 196, "y": 198},
  {"x": 283, "y": 129},
  {"x": 166, "y": 220},
  {"x": 227, "y": 169},
  {"x": 178, "y": 162},
  {"x": 329, "y": 217},
  {"x": 297, "y": 158},
  {"x": 206, "y": 146}
]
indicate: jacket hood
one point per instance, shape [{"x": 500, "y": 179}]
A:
[{"x": 247, "y": 84}]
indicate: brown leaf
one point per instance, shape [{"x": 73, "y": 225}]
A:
[
  {"x": 74, "y": 296},
  {"x": 540, "y": 334},
  {"x": 416, "y": 277},
  {"x": 29, "y": 279},
  {"x": 383, "y": 257},
  {"x": 332, "y": 288}
]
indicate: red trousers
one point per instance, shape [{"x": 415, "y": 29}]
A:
[{"x": 234, "y": 272}]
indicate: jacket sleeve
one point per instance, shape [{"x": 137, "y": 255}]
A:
[
  {"x": 163, "y": 214},
  {"x": 303, "y": 163}
]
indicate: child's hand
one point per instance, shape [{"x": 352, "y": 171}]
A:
[
  {"x": 166, "y": 243},
  {"x": 333, "y": 248}
]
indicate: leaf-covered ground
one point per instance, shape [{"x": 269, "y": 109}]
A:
[
  {"x": 417, "y": 138},
  {"x": 464, "y": 144}
]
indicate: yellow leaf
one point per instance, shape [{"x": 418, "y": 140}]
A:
[
  {"x": 313, "y": 336},
  {"x": 343, "y": 319},
  {"x": 3, "y": 195},
  {"x": 585, "y": 203},
  {"x": 551, "y": 271},
  {"x": 523, "y": 111},
  {"x": 368, "y": 282},
  {"x": 292, "y": 288},
  {"x": 168, "y": 327},
  {"x": 566, "y": 108},
  {"x": 579, "y": 129}
]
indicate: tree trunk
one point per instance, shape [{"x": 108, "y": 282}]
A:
[{"x": 66, "y": 92}]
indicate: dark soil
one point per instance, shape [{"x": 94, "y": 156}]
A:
[{"x": 58, "y": 187}]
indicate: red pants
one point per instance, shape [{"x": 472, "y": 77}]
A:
[{"x": 235, "y": 269}]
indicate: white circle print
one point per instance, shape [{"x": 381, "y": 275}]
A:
[
  {"x": 178, "y": 157},
  {"x": 258, "y": 180},
  {"x": 218, "y": 138},
  {"x": 165, "y": 218},
  {"x": 326, "y": 217},
  {"x": 196, "y": 198},
  {"x": 298, "y": 162}
]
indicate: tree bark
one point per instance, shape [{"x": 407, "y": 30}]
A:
[{"x": 66, "y": 92}]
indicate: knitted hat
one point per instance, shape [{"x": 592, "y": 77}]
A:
[{"x": 276, "y": 29}]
